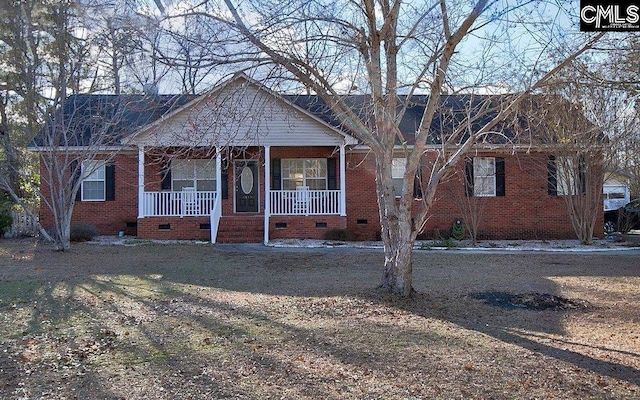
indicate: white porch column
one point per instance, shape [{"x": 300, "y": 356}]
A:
[
  {"x": 267, "y": 192},
  {"x": 343, "y": 183},
  {"x": 140, "y": 181},
  {"x": 218, "y": 173}
]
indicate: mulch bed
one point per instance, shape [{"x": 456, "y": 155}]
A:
[{"x": 532, "y": 301}]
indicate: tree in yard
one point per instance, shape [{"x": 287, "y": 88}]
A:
[
  {"x": 590, "y": 114},
  {"x": 576, "y": 162},
  {"x": 390, "y": 51},
  {"x": 471, "y": 205},
  {"x": 49, "y": 59}
]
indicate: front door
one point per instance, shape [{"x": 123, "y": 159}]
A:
[{"x": 246, "y": 178}]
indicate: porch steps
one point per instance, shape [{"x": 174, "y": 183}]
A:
[{"x": 241, "y": 229}]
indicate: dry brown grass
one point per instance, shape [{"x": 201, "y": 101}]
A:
[{"x": 193, "y": 322}]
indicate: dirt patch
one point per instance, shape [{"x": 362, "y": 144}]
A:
[
  {"x": 187, "y": 321},
  {"x": 532, "y": 301}
]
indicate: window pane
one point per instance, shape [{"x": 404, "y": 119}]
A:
[
  {"x": 316, "y": 168},
  {"x": 93, "y": 170},
  {"x": 205, "y": 169},
  {"x": 206, "y": 185},
  {"x": 398, "y": 165},
  {"x": 178, "y": 185},
  {"x": 292, "y": 168},
  {"x": 317, "y": 184},
  {"x": 484, "y": 186},
  {"x": 484, "y": 166},
  {"x": 93, "y": 186},
  {"x": 181, "y": 170},
  {"x": 93, "y": 190},
  {"x": 397, "y": 185},
  {"x": 291, "y": 184},
  {"x": 484, "y": 176},
  {"x": 565, "y": 176}
]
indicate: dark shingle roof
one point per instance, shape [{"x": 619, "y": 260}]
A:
[
  {"x": 112, "y": 117},
  {"x": 453, "y": 110},
  {"x": 109, "y": 118}
]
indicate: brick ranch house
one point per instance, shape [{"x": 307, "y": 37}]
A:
[{"x": 244, "y": 164}]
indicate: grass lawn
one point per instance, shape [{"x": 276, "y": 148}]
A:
[{"x": 190, "y": 321}]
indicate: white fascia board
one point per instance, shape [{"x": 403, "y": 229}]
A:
[
  {"x": 477, "y": 147},
  {"x": 82, "y": 149}
]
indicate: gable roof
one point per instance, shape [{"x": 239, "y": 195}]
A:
[
  {"x": 106, "y": 118},
  {"x": 241, "y": 111},
  {"x": 126, "y": 119}
]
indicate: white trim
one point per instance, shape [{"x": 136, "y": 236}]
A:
[
  {"x": 219, "y": 171},
  {"x": 96, "y": 165},
  {"x": 140, "y": 181},
  {"x": 216, "y": 212},
  {"x": 343, "y": 182},
  {"x": 478, "y": 163},
  {"x": 83, "y": 149},
  {"x": 267, "y": 189}
]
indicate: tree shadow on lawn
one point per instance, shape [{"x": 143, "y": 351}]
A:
[
  {"x": 173, "y": 303},
  {"x": 522, "y": 273},
  {"x": 341, "y": 274}
]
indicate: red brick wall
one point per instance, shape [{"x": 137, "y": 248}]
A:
[
  {"x": 187, "y": 228},
  {"x": 109, "y": 217},
  {"x": 525, "y": 212},
  {"x": 304, "y": 227}
]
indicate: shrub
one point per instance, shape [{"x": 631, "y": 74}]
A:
[
  {"x": 5, "y": 220},
  {"x": 343, "y": 235},
  {"x": 457, "y": 230},
  {"x": 82, "y": 232}
]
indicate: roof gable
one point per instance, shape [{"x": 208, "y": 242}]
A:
[{"x": 240, "y": 112}]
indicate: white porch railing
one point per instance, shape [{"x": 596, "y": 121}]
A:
[
  {"x": 178, "y": 204},
  {"x": 305, "y": 202},
  {"x": 214, "y": 219}
]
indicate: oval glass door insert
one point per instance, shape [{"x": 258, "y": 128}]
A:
[{"x": 246, "y": 180}]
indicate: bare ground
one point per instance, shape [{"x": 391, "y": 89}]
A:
[{"x": 193, "y": 322}]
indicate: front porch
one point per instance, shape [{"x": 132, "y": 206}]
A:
[
  {"x": 252, "y": 186},
  {"x": 191, "y": 203},
  {"x": 280, "y": 160}
]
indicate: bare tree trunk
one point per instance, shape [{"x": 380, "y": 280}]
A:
[
  {"x": 398, "y": 257},
  {"x": 398, "y": 235}
]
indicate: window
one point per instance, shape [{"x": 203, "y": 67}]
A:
[
  {"x": 565, "y": 177},
  {"x": 485, "y": 176},
  {"x": 199, "y": 174},
  {"x": 398, "y": 166},
  {"x": 615, "y": 195},
  {"x": 94, "y": 184},
  {"x": 311, "y": 173}
]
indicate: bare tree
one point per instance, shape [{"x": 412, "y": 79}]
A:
[
  {"x": 383, "y": 49},
  {"x": 471, "y": 205},
  {"x": 51, "y": 60},
  {"x": 576, "y": 149}
]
